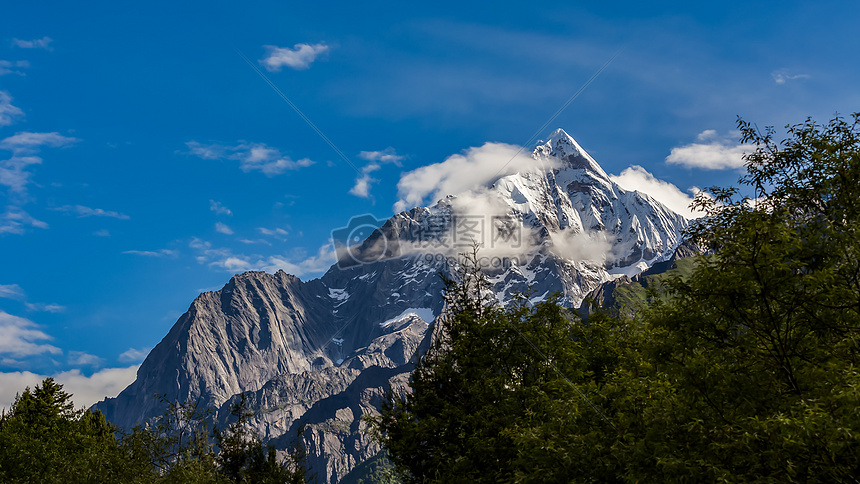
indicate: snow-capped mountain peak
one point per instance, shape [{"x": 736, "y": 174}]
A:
[
  {"x": 562, "y": 146},
  {"x": 322, "y": 353}
]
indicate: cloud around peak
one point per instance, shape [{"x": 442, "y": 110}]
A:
[
  {"x": 475, "y": 167},
  {"x": 636, "y": 178}
]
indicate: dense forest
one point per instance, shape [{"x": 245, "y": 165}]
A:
[
  {"x": 740, "y": 365},
  {"x": 740, "y": 368},
  {"x": 44, "y": 440}
]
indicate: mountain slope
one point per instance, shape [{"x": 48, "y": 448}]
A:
[{"x": 323, "y": 352}]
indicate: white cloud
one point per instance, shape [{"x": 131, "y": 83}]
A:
[
  {"x": 223, "y": 228},
  {"x": 475, "y": 167},
  {"x": 6, "y": 67},
  {"x": 43, "y": 43},
  {"x": 81, "y": 358},
  {"x": 19, "y": 336},
  {"x": 83, "y": 211},
  {"x": 781, "y": 76},
  {"x": 712, "y": 152},
  {"x": 85, "y": 390},
  {"x": 363, "y": 183},
  {"x": 9, "y": 113},
  {"x": 388, "y": 155},
  {"x": 133, "y": 355},
  {"x": 28, "y": 142},
  {"x": 639, "y": 179},
  {"x": 102, "y": 233},
  {"x": 299, "y": 57},
  {"x": 218, "y": 208},
  {"x": 11, "y": 291},
  {"x": 251, "y": 157},
  {"x": 150, "y": 253}
]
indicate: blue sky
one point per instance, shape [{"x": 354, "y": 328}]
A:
[{"x": 142, "y": 160}]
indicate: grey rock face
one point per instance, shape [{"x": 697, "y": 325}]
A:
[{"x": 322, "y": 353}]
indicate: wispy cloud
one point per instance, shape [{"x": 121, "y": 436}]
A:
[
  {"x": 639, "y": 179},
  {"x": 20, "y": 337},
  {"x": 15, "y": 171},
  {"x": 388, "y": 155},
  {"x": 218, "y": 208},
  {"x": 81, "y": 358},
  {"x": 364, "y": 182},
  {"x": 14, "y": 291},
  {"x": 47, "y": 308},
  {"x": 153, "y": 253},
  {"x": 11, "y": 291},
  {"x": 9, "y": 113},
  {"x": 300, "y": 57},
  {"x": 7, "y": 67},
  {"x": 24, "y": 146},
  {"x": 29, "y": 142},
  {"x": 15, "y": 220},
  {"x": 781, "y": 76},
  {"x": 82, "y": 211},
  {"x": 43, "y": 43},
  {"x": 223, "y": 228},
  {"x": 710, "y": 152},
  {"x": 102, "y": 233},
  {"x": 134, "y": 355},
  {"x": 251, "y": 157},
  {"x": 225, "y": 259},
  {"x": 276, "y": 232},
  {"x": 255, "y": 241}
]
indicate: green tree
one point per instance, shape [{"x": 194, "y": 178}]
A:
[
  {"x": 176, "y": 445},
  {"x": 743, "y": 369},
  {"x": 244, "y": 459},
  {"x": 43, "y": 439},
  {"x": 488, "y": 370},
  {"x": 746, "y": 370}
]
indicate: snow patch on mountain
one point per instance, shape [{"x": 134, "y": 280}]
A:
[{"x": 424, "y": 313}]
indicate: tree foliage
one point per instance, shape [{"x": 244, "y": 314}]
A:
[
  {"x": 44, "y": 440},
  {"x": 488, "y": 369}
]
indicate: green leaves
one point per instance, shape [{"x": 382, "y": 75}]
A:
[
  {"x": 42, "y": 439},
  {"x": 741, "y": 367}
]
